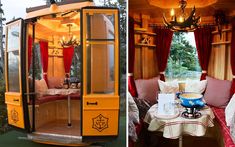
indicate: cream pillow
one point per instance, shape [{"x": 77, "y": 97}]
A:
[
  {"x": 43, "y": 85},
  {"x": 168, "y": 87},
  {"x": 195, "y": 86},
  {"x": 230, "y": 111},
  {"x": 37, "y": 86},
  {"x": 133, "y": 109},
  {"x": 40, "y": 86}
]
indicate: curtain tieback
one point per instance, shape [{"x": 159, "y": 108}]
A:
[
  {"x": 130, "y": 74},
  {"x": 162, "y": 72},
  {"x": 204, "y": 71},
  {"x": 233, "y": 76},
  {"x": 45, "y": 73}
]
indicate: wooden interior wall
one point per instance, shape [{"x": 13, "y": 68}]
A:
[
  {"x": 146, "y": 62},
  {"x": 55, "y": 110},
  {"x": 55, "y": 62},
  {"x": 145, "y": 66},
  {"x": 219, "y": 65}
]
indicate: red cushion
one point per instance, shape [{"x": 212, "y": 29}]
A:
[
  {"x": 54, "y": 82},
  {"x": 147, "y": 89},
  {"x": 220, "y": 117},
  {"x": 50, "y": 98},
  {"x": 217, "y": 92}
]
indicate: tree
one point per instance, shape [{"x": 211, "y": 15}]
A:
[
  {"x": 183, "y": 58},
  {"x": 2, "y": 19}
]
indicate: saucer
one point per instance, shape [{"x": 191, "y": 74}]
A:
[{"x": 176, "y": 114}]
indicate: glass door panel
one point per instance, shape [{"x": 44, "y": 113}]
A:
[{"x": 100, "y": 44}]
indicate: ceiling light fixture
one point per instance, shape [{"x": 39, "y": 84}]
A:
[
  {"x": 71, "y": 40},
  {"x": 182, "y": 23},
  {"x": 53, "y": 7}
]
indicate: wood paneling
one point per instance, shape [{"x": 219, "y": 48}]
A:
[
  {"x": 60, "y": 127},
  {"x": 56, "y": 67},
  {"x": 55, "y": 110},
  {"x": 145, "y": 57},
  {"x": 219, "y": 65},
  {"x": 204, "y": 8}
]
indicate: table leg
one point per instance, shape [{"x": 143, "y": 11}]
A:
[
  {"x": 181, "y": 141},
  {"x": 69, "y": 112}
]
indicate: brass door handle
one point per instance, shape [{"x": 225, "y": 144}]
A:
[
  {"x": 91, "y": 103},
  {"x": 16, "y": 100}
]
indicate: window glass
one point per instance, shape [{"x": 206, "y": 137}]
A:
[
  {"x": 100, "y": 69},
  {"x": 98, "y": 24},
  {"x": 183, "y": 60},
  {"x": 13, "y": 37},
  {"x": 13, "y": 71}
]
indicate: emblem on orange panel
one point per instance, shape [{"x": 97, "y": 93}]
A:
[
  {"x": 100, "y": 123},
  {"x": 14, "y": 116}
]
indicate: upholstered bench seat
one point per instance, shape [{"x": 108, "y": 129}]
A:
[
  {"x": 220, "y": 117},
  {"x": 51, "y": 98}
]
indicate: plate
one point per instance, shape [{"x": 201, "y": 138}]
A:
[{"x": 177, "y": 113}]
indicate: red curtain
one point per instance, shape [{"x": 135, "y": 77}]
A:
[
  {"x": 232, "y": 56},
  {"x": 131, "y": 59},
  {"x": 203, "y": 39},
  {"x": 68, "y": 57},
  {"x": 163, "y": 44},
  {"x": 30, "y": 44},
  {"x": 44, "y": 58}
]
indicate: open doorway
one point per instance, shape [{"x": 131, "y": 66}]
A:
[{"x": 57, "y": 73}]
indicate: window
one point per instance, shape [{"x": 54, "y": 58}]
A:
[
  {"x": 183, "y": 59},
  {"x": 13, "y": 56}
]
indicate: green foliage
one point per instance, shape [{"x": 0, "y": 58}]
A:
[
  {"x": 37, "y": 61},
  {"x": 3, "y": 112},
  {"x": 2, "y": 89},
  {"x": 183, "y": 59},
  {"x": 76, "y": 63}
]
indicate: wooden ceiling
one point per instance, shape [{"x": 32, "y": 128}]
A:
[
  {"x": 204, "y": 8},
  {"x": 175, "y": 3},
  {"x": 57, "y": 24}
]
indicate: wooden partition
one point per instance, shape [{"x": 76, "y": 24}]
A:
[
  {"x": 219, "y": 65},
  {"x": 145, "y": 55}
]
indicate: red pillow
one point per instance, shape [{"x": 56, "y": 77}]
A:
[
  {"x": 148, "y": 89},
  {"x": 55, "y": 82},
  {"x": 217, "y": 92}
]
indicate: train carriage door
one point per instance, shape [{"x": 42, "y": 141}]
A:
[
  {"x": 15, "y": 61},
  {"x": 100, "y": 82}
]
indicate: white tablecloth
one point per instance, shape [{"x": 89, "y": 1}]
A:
[
  {"x": 174, "y": 128},
  {"x": 61, "y": 91}
]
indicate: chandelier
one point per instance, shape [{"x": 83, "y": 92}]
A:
[
  {"x": 71, "y": 40},
  {"x": 182, "y": 23}
]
